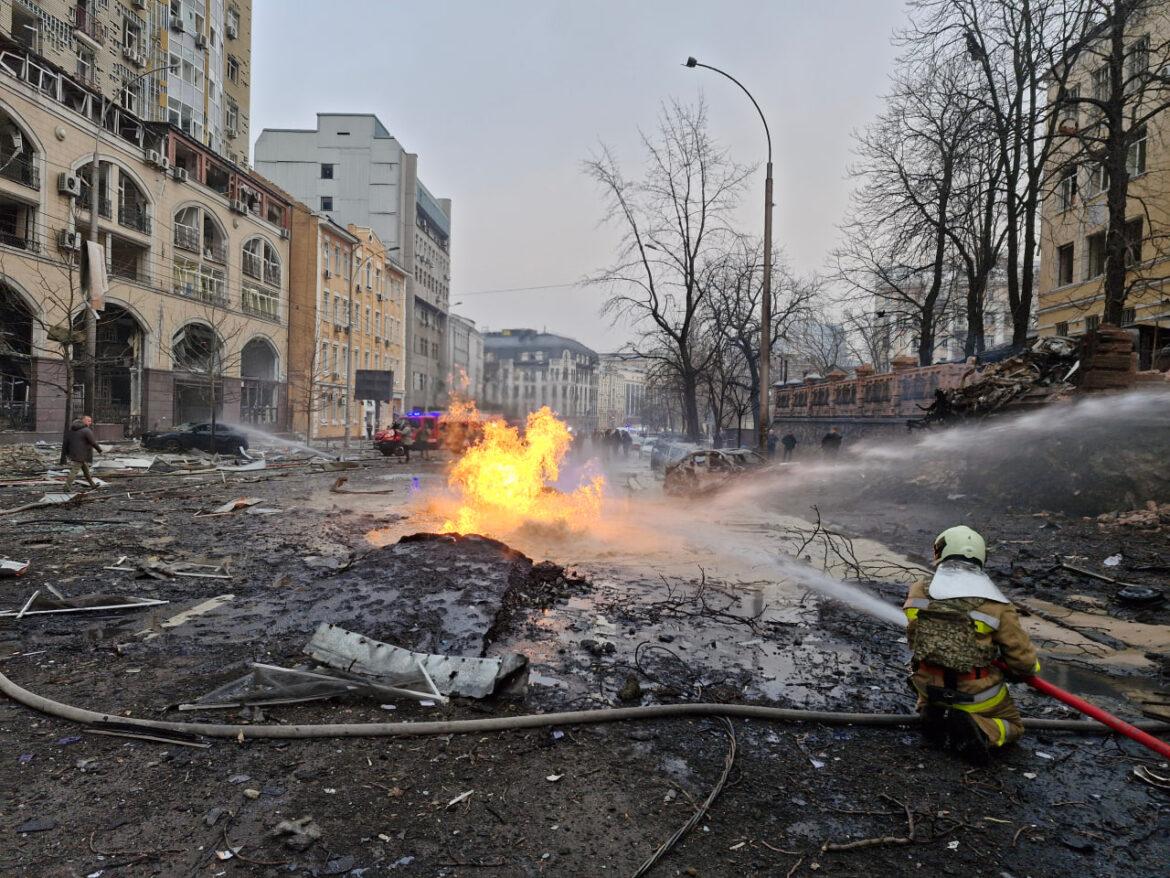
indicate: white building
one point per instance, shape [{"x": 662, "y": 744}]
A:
[
  {"x": 465, "y": 354},
  {"x": 351, "y": 168},
  {"x": 525, "y": 370},
  {"x": 621, "y": 390}
]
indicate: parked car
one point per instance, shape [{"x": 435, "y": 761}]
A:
[
  {"x": 709, "y": 469},
  {"x": 183, "y": 437},
  {"x": 392, "y": 442}
]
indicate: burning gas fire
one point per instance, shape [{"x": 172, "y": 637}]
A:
[{"x": 503, "y": 480}]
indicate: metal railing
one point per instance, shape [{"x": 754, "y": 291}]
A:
[
  {"x": 187, "y": 238},
  {"x": 88, "y": 24},
  {"x": 134, "y": 216},
  {"x": 23, "y": 170},
  {"x": 259, "y": 303},
  {"x": 21, "y": 242},
  {"x": 216, "y": 252},
  {"x": 129, "y": 271}
]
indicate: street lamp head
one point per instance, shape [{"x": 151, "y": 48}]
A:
[{"x": 692, "y": 62}]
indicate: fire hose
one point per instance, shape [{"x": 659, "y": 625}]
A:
[
  {"x": 538, "y": 720},
  {"x": 1120, "y": 726}
]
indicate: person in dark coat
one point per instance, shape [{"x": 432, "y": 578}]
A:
[
  {"x": 789, "y": 443},
  {"x": 77, "y": 449},
  {"x": 831, "y": 444},
  {"x": 771, "y": 444},
  {"x": 626, "y": 441}
]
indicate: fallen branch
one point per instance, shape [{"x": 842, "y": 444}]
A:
[{"x": 908, "y": 838}]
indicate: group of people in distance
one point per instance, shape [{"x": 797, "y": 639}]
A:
[
  {"x": 611, "y": 443},
  {"x": 830, "y": 444}
]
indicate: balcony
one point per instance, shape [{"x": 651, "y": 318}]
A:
[
  {"x": 260, "y": 303},
  {"x": 187, "y": 238},
  {"x": 20, "y": 241},
  {"x": 216, "y": 251},
  {"x": 21, "y": 169},
  {"x": 87, "y": 26},
  {"x": 134, "y": 216}
]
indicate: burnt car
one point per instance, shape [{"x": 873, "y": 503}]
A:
[
  {"x": 709, "y": 469},
  {"x": 184, "y": 437}
]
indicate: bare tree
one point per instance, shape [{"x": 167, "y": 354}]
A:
[
  {"x": 308, "y": 383},
  {"x": 1105, "y": 127},
  {"x": 52, "y": 336},
  {"x": 899, "y": 239},
  {"x": 822, "y": 344},
  {"x": 674, "y": 223},
  {"x": 1020, "y": 49},
  {"x": 732, "y": 306},
  {"x": 209, "y": 348}
]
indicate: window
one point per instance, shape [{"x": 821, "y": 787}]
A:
[
  {"x": 1098, "y": 179},
  {"x": 1096, "y": 248},
  {"x": 1064, "y": 265},
  {"x": 1128, "y": 316},
  {"x": 1102, "y": 83},
  {"x": 325, "y": 303},
  {"x": 1092, "y": 323},
  {"x": 1133, "y": 242},
  {"x": 1137, "y": 61},
  {"x": 326, "y": 202},
  {"x": 326, "y": 172},
  {"x": 261, "y": 261},
  {"x": 1062, "y": 328},
  {"x": 233, "y": 69},
  {"x": 131, "y": 35},
  {"x": 233, "y": 23},
  {"x": 231, "y": 118},
  {"x": 1067, "y": 189},
  {"x": 1135, "y": 156}
]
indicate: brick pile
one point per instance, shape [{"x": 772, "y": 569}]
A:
[
  {"x": 1109, "y": 361},
  {"x": 1154, "y": 516}
]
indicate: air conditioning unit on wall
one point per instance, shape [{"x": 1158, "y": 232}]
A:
[
  {"x": 68, "y": 240},
  {"x": 69, "y": 184}
]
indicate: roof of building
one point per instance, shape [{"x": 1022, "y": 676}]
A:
[{"x": 507, "y": 343}]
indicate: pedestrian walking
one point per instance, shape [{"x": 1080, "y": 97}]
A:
[
  {"x": 789, "y": 443},
  {"x": 626, "y": 440},
  {"x": 831, "y": 443},
  {"x": 771, "y": 444},
  {"x": 77, "y": 449},
  {"x": 959, "y": 626}
]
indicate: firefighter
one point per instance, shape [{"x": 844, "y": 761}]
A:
[{"x": 958, "y": 624}]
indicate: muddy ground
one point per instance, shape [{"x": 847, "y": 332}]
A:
[{"x": 572, "y": 801}]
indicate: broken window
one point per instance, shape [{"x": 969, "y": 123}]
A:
[
  {"x": 196, "y": 348},
  {"x": 1092, "y": 322},
  {"x": 1062, "y": 328},
  {"x": 1133, "y": 242},
  {"x": 1135, "y": 156}
]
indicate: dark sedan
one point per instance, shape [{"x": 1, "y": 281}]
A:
[{"x": 184, "y": 437}]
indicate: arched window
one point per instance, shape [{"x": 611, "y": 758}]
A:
[
  {"x": 200, "y": 256},
  {"x": 260, "y": 292},
  {"x": 197, "y": 348},
  {"x": 262, "y": 262},
  {"x": 20, "y": 158}
]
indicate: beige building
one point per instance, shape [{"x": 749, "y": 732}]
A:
[
  {"x": 1075, "y": 217},
  {"x": 347, "y": 301},
  {"x": 187, "y": 62},
  {"x": 195, "y": 249},
  {"x": 621, "y": 390}
]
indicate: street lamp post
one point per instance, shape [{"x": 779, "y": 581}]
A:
[
  {"x": 766, "y": 292},
  {"x": 89, "y": 376}
]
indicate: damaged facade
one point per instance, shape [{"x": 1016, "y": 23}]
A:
[{"x": 196, "y": 255}]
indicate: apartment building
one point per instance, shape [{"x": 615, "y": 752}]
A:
[
  {"x": 525, "y": 370},
  {"x": 186, "y": 62},
  {"x": 465, "y": 356},
  {"x": 379, "y": 325},
  {"x": 1074, "y": 218},
  {"x": 353, "y": 169},
  {"x": 195, "y": 249},
  {"x": 346, "y": 314}
]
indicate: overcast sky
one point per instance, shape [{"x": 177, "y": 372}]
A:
[{"x": 502, "y": 101}]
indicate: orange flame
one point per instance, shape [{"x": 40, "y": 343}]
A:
[{"x": 503, "y": 480}]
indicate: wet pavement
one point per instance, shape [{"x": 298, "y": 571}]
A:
[{"x": 680, "y": 598}]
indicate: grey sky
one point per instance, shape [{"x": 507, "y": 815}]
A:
[{"x": 503, "y": 99}]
